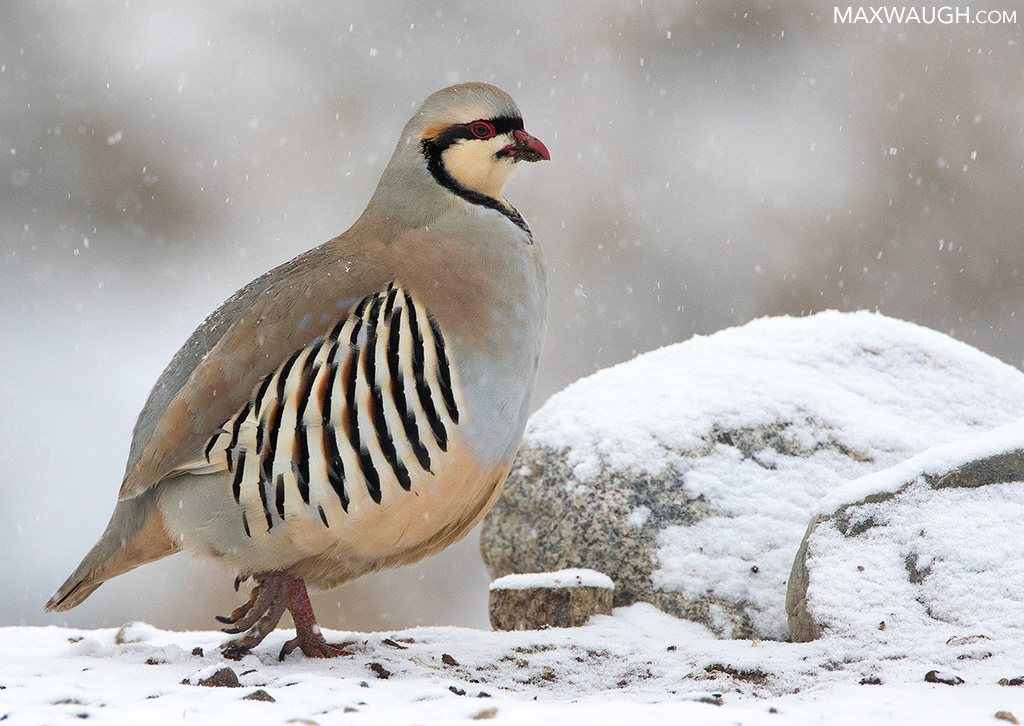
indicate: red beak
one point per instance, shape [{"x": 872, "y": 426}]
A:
[{"x": 527, "y": 148}]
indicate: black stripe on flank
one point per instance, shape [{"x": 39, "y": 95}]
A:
[
  {"x": 263, "y": 486},
  {"x": 259, "y": 437},
  {"x": 370, "y": 475},
  {"x": 329, "y": 441},
  {"x": 310, "y": 361},
  {"x": 262, "y": 393},
  {"x": 245, "y": 524},
  {"x": 302, "y": 393},
  {"x": 236, "y": 429},
  {"x": 336, "y": 330},
  {"x": 236, "y": 484},
  {"x": 444, "y": 371},
  {"x": 419, "y": 373},
  {"x": 276, "y": 414},
  {"x": 280, "y": 496},
  {"x": 380, "y": 424},
  {"x": 323, "y": 517},
  {"x": 209, "y": 447},
  {"x": 412, "y": 433},
  {"x": 267, "y": 452},
  {"x": 390, "y": 306},
  {"x": 301, "y": 442},
  {"x": 358, "y": 315}
]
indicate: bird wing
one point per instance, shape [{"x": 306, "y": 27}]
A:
[{"x": 264, "y": 324}]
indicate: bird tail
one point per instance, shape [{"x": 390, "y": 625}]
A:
[{"x": 134, "y": 536}]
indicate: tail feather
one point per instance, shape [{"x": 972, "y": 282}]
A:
[{"x": 134, "y": 536}]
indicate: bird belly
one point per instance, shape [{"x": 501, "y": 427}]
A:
[{"x": 322, "y": 542}]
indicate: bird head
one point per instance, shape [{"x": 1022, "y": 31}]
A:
[
  {"x": 472, "y": 136},
  {"x": 465, "y": 140}
]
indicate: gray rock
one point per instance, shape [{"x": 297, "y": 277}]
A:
[
  {"x": 260, "y": 695},
  {"x": 688, "y": 475},
  {"x": 931, "y": 543},
  {"x": 222, "y": 678},
  {"x": 567, "y": 605}
]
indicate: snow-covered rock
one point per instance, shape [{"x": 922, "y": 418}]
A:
[
  {"x": 689, "y": 474},
  {"x": 563, "y": 599},
  {"x": 932, "y": 543}
]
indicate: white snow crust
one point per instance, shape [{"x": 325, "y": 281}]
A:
[
  {"x": 636, "y": 666},
  {"x": 571, "y": 577}
]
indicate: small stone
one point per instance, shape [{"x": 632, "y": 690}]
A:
[
  {"x": 486, "y": 713},
  {"x": 1018, "y": 681},
  {"x": 260, "y": 695},
  {"x": 566, "y": 601},
  {"x": 379, "y": 670},
  {"x": 154, "y": 661},
  {"x": 754, "y": 675},
  {"x": 457, "y": 691},
  {"x": 871, "y": 681},
  {"x": 945, "y": 678},
  {"x": 1006, "y": 716},
  {"x": 349, "y": 709},
  {"x": 197, "y": 651},
  {"x": 134, "y": 632},
  {"x": 223, "y": 678},
  {"x": 958, "y": 640},
  {"x": 448, "y": 660}
]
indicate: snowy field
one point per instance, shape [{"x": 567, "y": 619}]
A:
[{"x": 637, "y": 666}]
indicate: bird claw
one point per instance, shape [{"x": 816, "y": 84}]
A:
[
  {"x": 240, "y": 612},
  {"x": 315, "y": 647},
  {"x": 235, "y": 650}
]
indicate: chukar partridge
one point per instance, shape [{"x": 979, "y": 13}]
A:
[{"x": 358, "y": 407}]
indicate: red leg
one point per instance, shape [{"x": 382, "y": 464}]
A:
[{"x": 308, "y": 637}]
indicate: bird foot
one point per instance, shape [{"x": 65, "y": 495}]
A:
[
  {"x": 274, "y": 593},
  {"x": 313, "y": 645}
]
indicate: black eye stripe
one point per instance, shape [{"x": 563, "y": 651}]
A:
[
  {"x": 505, "y": 124},
  {"x": 459, "y": 132}
]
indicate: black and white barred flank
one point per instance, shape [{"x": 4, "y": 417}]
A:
[{"x": 369, "y": 405}]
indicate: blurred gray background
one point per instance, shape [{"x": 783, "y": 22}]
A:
[{"x": 713, "y": 162}]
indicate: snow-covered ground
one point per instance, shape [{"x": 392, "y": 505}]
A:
[{"x": 638, "y": 666}]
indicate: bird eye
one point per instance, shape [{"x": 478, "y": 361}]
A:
[{"x": 482, "y": 130}]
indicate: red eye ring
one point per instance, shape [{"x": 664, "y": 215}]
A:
[{"x": 482, "y": 130}]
